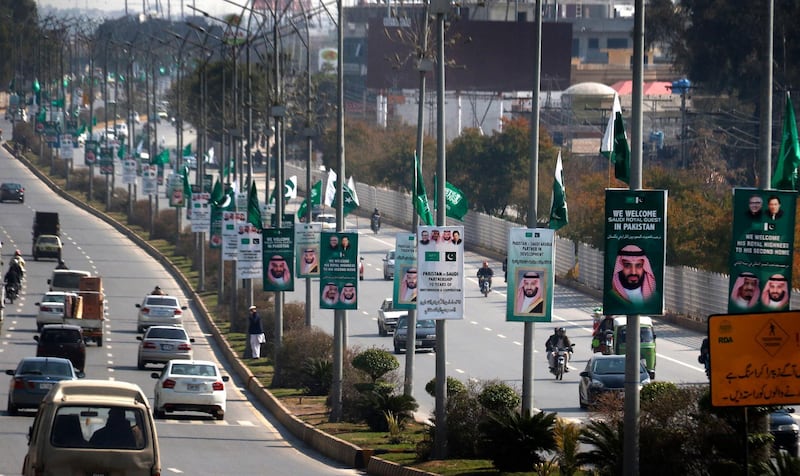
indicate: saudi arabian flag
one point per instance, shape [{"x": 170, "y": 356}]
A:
[
  {"x": 161, "y": 159},
  {"x": 253, "y": 208},
  {"x": 456, "y": 204},
  {"x": 558, "y": 205},
  {"x": 316, "y": 195},
  {"x": 615, "y": 144},
  {"x": 421, "y": 204},
  {"x": 785, "y": 177}
]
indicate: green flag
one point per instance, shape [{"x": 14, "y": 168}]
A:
[
  {"x": 161, "y": 159},
  {"x": 187, "y": 150},
  {"x": 289, "y": 190},
  {"x": 456, "y": 205},
  {"x": 121, "y": 151},
  {"x": 253, "y": 209},
  {"x": 316, "y": 199},
  {"x": 421, "y": 196},
  {"x": 217, "y": 194},
  {"x": 615, "y": 144},
  {"x": 187, "y": 189},
  {"x": 558, "y": 205},
  {"x": 349, "y": 198},
  {"x": 36, "y": 88},
  {"x": 785, "y": 177}
]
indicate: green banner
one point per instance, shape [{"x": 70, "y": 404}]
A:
[
  {"x": 278, "y": 256},
  {"x": 531, "y": 253},
  {"x": 215, "y": 234},
  {"x": 404, "y": 293},
  {"x": 635, "y": 237},
  {"x": 761, "y": 250},
  {"x": 339, "y": 274}
]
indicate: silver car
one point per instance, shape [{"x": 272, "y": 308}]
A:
[
  {"x": 160, "y": 344},
  {"x": 159, "y": 310},
  {"x": 388, "y": 265},
  {"x": 51, "y": 309}
]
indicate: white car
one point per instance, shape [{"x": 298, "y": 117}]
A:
[
  {"x": 51, "y": 308},
  {"x": 159, "y": 310},
  {"x": 328, "y": 221},
  {"x": 190, "y": 385},
  {"x": 160, "y": 344}
]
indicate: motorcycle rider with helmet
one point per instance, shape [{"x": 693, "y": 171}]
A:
[
  {"x": 485, "y": 272},
  {"x": 14, "y": 275},
  {"x": 558, "y": 340},
  {"x": 375, "y": 221},
  {"x": 606, "y": 325}
]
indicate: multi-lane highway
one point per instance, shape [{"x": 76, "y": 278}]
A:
[
  {"x": 247, "y": 442},
  {"x": 482, "y": 346}
]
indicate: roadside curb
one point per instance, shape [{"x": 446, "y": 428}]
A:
[{"x": 328, "y": 445}]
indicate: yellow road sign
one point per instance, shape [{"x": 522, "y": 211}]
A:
[{"x": 755, "y": 358}]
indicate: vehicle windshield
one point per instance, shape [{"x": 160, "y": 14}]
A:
[
  {"x": 54, "y": 298},
  {"x": 67, "y": 280},
  {"x": 61, "y": 336},
  {"x": 161, "y": 301},
  {"x": 203, "y": 370},
  {"x": 402, "y": 323},
  {"x": 163, "y": 333},
  {"x": 609, "y": 366},
  {"x": 390, "y": 255},
  {"x": 48, "y": 240},
  {"x": 45, "y": 367},
  {"x": 99, "y": 427}
]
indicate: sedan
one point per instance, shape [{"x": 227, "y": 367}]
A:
[
  {"x": 47, "y": 246},
  {"x": 33, "y": 378},
  {"x": 603, "y": 374},
  {"x": 425, "y": 335},
  {"x": 388, "y": 265},
  {"x": 160, "y": 344},
  {"x": 51, "y": 308},
  {"x": 159, "y": 310},
  {"x": 783, "y": 425},
  {"x": 190, "y": 385},
  {"x": 12, "y": 191}
]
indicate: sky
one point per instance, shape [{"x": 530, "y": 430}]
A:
[{"x": 117, "y": 7}]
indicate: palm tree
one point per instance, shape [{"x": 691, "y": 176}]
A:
[
  {"x": 515, "y": 442},
  {"x": 607, "y": 444}
]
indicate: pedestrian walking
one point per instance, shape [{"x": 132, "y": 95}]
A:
[{"x": 255, "y": 332}]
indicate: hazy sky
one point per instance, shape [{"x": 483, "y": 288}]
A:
[{"x": 214, "y": 7}]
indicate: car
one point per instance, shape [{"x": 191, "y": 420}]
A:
[
  {"x": 189, "y": 385},
  {"x": 388, "y": 317},
  {"x": 603, "y": 374},
  {"x": 51, "y": 308},
  {"x": 12, "y": 191},
  {"x": 62, "y": 340},
  {"x": 33, "y": 378},
  {"x": 425, "y": 336},
  {"x": 93, "y": 427},
  {"x": 121, "y": 130},
  {"x": 328, "y": 221},
  {"x": 388, "y": 265},
  {"x": 783, "y": 425},
  {"x": 66, "y": 279},
  {"x": 159, "y": 310},
  {"x": 47, "y": 246},
  {"x": 160, "y": 344}
]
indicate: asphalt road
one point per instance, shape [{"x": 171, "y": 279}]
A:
[{"x": 192, "y": 444}]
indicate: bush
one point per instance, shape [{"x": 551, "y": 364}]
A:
[
  {"x": 464, "y": 414},
  {"x": 454, "y": 386},
  {"x": 374, "y": 407},
  {"x": 297, "y": 349},
  {"x": 515, "y": 442},
  {"x": 499, "y": 397},
  {"x": 375, "y": 362},
  {"x": 318, "y": 375},
  {"x": 655, "y": 390}
]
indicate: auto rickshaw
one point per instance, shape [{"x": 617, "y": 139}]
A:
[{"x": 647, "y": 346}]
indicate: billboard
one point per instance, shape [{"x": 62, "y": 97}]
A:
[
  {"x": 440, "y": 278},
  {"x": 530, "y": 275}
]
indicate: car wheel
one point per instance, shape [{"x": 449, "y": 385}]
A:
[
  {"x": 141, "y": 365},
  {"x": 11, "y": 408},
  {"x": 35, "y": 256},
  {"x": 581, "y": 403},
  {"x": 159, "y": 414},
  {"x": 382, "y": 331},
  {"x": 396, "y": 349},
  {"x": 39, "y": 327},
  {"x": 220, "y": 415},
  {"x": 140, "y": 330},
  {"x": 100, "y": 341}
]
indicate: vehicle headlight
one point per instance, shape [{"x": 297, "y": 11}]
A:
[
  {"x": 430, "y": 336},
  {"x": 596, "y": 385},
  {"x": 792, "y": 427}
]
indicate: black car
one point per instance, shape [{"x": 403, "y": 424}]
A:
[
  {"x": 62, "y": 340},
  {"x": 425, "y": 335},
  {"x": 785, "y": 429},
  {"x": 12, "y": 191},
  {"x": 605, "y": 373}
]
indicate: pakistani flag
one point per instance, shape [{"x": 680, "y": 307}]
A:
[
  {"x": 421, "y": 196},
  {"x": 456, "y": 205},
  {"x": 289, "y": 189},
  {"x": 330, "y": 188},
  {"x": 253, "y": 209},
  {"x": 615, "y": 144},
  {"x": 351, "y": 184},
  {"x": 316, "y": 194},
  {"x": 350, "y": 199},
  {"x": 558, "y": 205},
  {"x": 785, "y": 177},
  {"x": 161, "y": 159},
  {"x": 187, "y": 150}
]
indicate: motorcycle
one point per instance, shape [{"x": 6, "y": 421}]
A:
[
  {"x": 375, "y": 224},
  {"x": 485, "y": 284},
  {"x": 604, "y": 343},
  {"x": 12, "y": 292},
  {"x": 561, "y": 358}
]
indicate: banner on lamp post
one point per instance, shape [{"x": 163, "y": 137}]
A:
[
  {"x": 201, "y": 212},
  {"x": 307, "y": 239},
  {"x": 440, "y": 266},
  {"x": 339, "y": 271},
  {"x": 529, "y": 296},
  {"x": 278, "y": 256},
  {"x": 249, "y": 261},
  {"x": 230, "y": 233},
  {"x": 404, "y": 295}
]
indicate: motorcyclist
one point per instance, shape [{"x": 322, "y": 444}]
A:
[
  {"x": 19, "y": 261},
  {"x": 558, "y": 340},
  {"x": 376, "y": 220},
  {"x": 705, "y": 355},
  {"x": 13, "y": 277},
  {"x": 607, "y": 324},
  {"x": 485, "y": 272},
  {"x": 61, "y": 264}
]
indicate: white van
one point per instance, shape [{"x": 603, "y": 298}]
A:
[
  {"x": 66, "y": 279},
  {"x": 98, "y": 427}
]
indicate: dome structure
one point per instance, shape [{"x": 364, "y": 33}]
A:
[{"x": 589, "y": 103}]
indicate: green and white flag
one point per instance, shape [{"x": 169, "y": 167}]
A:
[
  {"x": 350, "y": 199},
  {"x": 785, "y": 177},
  {"x": 253, "y": 209},
  {"x": 558, "y": 204},
  {"x": 421, "y": 204},
  {"x": 615, "y": 144},
  {"x": 456, "y": 204},
  {"x": 289, "y": 190},
  {"x": 351, "y": 184},
  {"x": 330, "y": 188},
  {"x": 316, "y": 199}
]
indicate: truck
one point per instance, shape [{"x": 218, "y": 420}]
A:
[
  {"x": 388, "y": 317},
  {"x": 46, "y": 223},
  {"x": 86, "y": 309}
]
